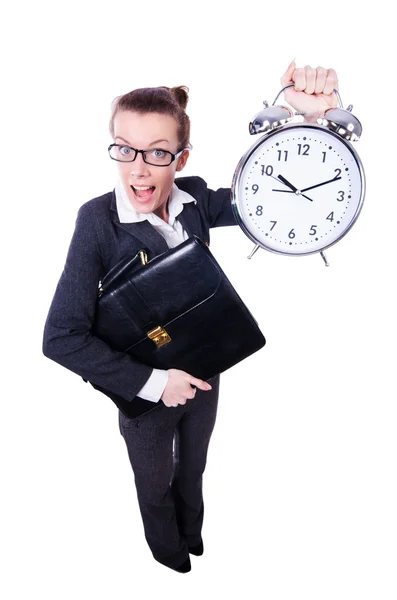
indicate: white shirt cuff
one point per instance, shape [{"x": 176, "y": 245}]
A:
[{"x": 155, "y": 385}]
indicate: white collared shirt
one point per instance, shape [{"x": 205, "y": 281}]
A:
[{"x": 174, "y": 234}]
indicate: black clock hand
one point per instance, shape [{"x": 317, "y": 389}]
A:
[
  {"x": 320, "y": 184},
  {"x": 287, "y": 183},
  {"x": 293, "y": 188}
]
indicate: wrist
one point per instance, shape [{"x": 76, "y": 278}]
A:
[{"x": 310, "y": 118}]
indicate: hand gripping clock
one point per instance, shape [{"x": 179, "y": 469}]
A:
[{"x": 300, "y": 188}]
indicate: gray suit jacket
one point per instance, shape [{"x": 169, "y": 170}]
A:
[{"x": 99, "y": 242}]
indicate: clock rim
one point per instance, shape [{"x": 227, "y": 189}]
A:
[{"x": 246, "y": 156}]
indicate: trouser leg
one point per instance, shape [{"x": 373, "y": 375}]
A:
[
  {"x": 192, "y": 438},
  {"x": 149, "y": 441}
]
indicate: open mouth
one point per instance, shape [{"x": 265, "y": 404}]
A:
[{"x": 143, "y": 191}]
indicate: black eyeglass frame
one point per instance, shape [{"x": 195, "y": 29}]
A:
[{"x": 173, "y": 156}]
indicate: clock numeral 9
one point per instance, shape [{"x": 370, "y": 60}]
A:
[
  {"x": 255, "y": 188},
  {"x": 267, "y": 170}
]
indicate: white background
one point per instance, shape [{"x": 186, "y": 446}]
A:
[{"x": 300, "y": 486}]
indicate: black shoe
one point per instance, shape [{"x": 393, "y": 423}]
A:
[
  {"x": 184, "y": 567},
  {"x": 197, "y": 550}
]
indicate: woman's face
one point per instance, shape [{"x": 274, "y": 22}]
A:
[{"x": 148, "y": 187}]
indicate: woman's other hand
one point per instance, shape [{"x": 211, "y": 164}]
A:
[
  {"x": 179, "y": 387},
  {"x": 313, "y": 92}
]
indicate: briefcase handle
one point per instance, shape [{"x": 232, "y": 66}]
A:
[{"x": 120, "y": 269}]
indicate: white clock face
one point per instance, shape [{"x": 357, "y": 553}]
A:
[{"x": 298, "y": 190}]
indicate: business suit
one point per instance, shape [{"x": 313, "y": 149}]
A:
[{"x": 99, "y": 242}]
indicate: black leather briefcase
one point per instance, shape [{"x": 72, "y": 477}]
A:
[{"x": 178, "y": 310}]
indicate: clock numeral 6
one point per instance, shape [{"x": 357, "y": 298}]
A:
[
  {"x": 291, "y": 234},
  {"x": 313, "y": 230}
]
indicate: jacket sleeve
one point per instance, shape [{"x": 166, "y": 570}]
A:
[
  {"x": 216, "y": 204},
  {"x": 220, "y": 208},
  {"x": 67, "y": 334}
]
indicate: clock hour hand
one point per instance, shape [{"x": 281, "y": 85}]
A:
[
  {"x": 287, "y": 183},
  {"x": 292, "y": 188},
  {"x": 320, "y": 184}
]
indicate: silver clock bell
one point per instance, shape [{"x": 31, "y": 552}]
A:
[{"x": 343, "y": 122}]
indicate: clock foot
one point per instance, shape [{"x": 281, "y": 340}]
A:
[
  {"x": 254, "y": 250},
  {"x": 324, "y": 259}
]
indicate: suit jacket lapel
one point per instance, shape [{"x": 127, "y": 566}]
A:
[
  {"x": 150, "y": 238},
  {"x": 144, "y": 231}
]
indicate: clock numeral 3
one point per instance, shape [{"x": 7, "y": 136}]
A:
[{"x": 342, "y": 197}]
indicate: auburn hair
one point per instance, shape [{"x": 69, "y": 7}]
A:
[{"x": 163, "y": 100}]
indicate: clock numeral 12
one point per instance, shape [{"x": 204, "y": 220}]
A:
[{"x": 306, "y": 149}]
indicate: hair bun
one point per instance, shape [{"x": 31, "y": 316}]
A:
[{"x": 181, "y": 95}]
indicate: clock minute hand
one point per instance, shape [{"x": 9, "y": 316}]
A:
[
  {"x": 320, "y": 184},
  {"x": 292, "y": 187}
]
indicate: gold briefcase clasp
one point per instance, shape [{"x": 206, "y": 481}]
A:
[{"x": 159, "y": 336}]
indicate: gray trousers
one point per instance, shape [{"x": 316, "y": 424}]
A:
[{"x": 167, "y": 448}]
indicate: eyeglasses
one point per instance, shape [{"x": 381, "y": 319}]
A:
[{"x": 154, "y": 156}]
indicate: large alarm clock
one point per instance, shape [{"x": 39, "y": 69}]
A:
[{"x": 300, "y": 188}]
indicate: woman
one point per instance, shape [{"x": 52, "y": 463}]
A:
[{"x": 167, "y": 445}]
